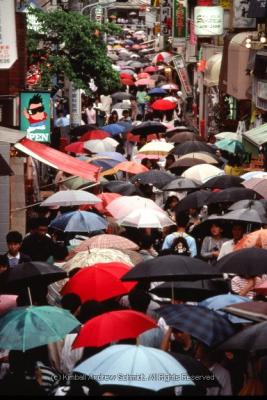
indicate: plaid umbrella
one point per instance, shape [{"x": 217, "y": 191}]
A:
[
  {"x": 107, "y": 241},
  {"x": 205, "y": 325}
]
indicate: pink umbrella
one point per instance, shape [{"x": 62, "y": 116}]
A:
[
  {"x": 164, "y": 56},
  {"x": 151, "y": 68},
  {"x": 145, "y": 82},
  {"x": 170, "y": 86},
  {"x": 7, "y": 302},
  {"x": 143, "y": 75},
  {"x": 121, "y": 207}
]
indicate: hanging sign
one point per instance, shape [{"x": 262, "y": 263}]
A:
[
  {"x": 179, "y": 65},
  {"x": 180, "y": 19},
  {"x": 8, "y": 35},
  {"x": 208, "y": 21}
]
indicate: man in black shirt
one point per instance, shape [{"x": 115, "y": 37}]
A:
[{"x": 38, "y": 245}]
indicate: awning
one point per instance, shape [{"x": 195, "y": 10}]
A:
[
  {"x": 5, "y": 169},
  {"x": 257, "y": 136},
  {"x": 58, "y": 160},
  {"x": 238, "y": 79},
  {"x": 212, "y": 71},
  {"x": 257, "y": 9},
  {"x": 11, "y": 136}
]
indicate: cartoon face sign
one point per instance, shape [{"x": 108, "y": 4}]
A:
[{"x": 35, "y": 113}]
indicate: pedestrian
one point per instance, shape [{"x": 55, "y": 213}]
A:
[
  {"x": 212, "y": 244},
  {"x": 141, "y": 98},
  {"x": 14, "y": 256},
  {"x": 113, "y": 118},
  {"x": 38, "y": 246},
  {"x": 229, "y": 246},
  {"x": 91, "y": 114}
]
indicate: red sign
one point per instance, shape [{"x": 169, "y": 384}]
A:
[{"x": 204, "y": 2}]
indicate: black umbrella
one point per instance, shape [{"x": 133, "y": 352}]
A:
[
  {"x": 184, "y": 136},
  {"x": 193, "y": 200},
  {"x": 153, "y": 177},
  {"x": 170, "y": 132},
  {"x": 245, "y": 215},
  {"x": 231, "y": 195},
  {"x": 148, "y": 127},
  {"x": 5, "y": 169},
  {"x": 188, "y": 162},
  {"x": 252, "y": 338},
  {"x": 203, "y": 229},
  {"x": 181, "y": 184},
  {"x": 256, "y": 205},
  {"x": 80, "y": 130},
  {"x": 223, "y": 182},
  {"x": 246, "y": 262},
  {"x": 123, "y": 188},
  {"x": 192, "y": 146},
  {"x": 252, "y": 310},
  {"x": 171, "y": 268},
  {"x": 121, "y": 96},
  {"x": 191, "y": 291}
]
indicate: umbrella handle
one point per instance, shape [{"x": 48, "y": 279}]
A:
[{"x": 29, "y": 294}]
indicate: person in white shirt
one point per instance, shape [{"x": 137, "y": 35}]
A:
[
  {"x": 91, "y": 114},
  {"x": 228, "y": 246}
]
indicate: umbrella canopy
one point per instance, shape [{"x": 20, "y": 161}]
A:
[
  {"x": 188, "y": 291},
  {"x": 171, "y": 98},
  {"x": 143, "y": 75},
  {"x": 97, "y": 146},
  {"x": 136, "y": 64},
  {"x": 205, "y": 157},
  {"x": 246, "y": 262},
  {"x": 171, "y": 268},
  {"x": 114, "y": 129},
  {"x": 216, "y": 303},
  {"x": 7, "y": 302},
  {"x": 157, "y": 91},
  {"x": 183, "y": 136},
  {"x": 127, "y": 82},
  {"x": 231, "y": 146},
  {"x": 99, "y": 282},
  {"x": 259, "y": 185},
  {"x": 254, "y": 174},
  {"x": 192, "y": 146},
  {"x": 202, "y": 172},
  {"x": 181, "y": 184},
  {"x": 145, "y": 128},
  {"x": 105, "y": 198},
  {"x": 120, "y": 208},
  {"x": 111, "y": 327},
  {"x": 121, "y": 106},
  {"x": 122, "y": 95},
  {"x": 253, "y": 239},
  {"x": 164, "y": 56},
  {"x": 145, "y": 82},
  {"x": 231, "y": 195},
  {"x": 156, "y": 147},
  {"x": 193, "y": 200},
  {"x": 70, "y": 198},
  {"x": 223, "y": 182},
  {"x": 123, "y": 188},
  {"x": 107, "y": 241},
  {"x": 76, "y": 147},
  {"x": 163, "y": 105},
  {"x": 80, "y": 130},
  {"x": 123, "y": 75},
  {"x": 170, "y": 86},
  {"x": 146, "y": 218},
  {"x": 249, "y": 204},
  {"x": 253, "y": 310},
  {"x": 79, "y": 221},
  {"x": 151, "y": 69},
  {"x": 245, "y": 215},
  {"x": 205, "y": 325},
  {"x": 252, "y": 338},
  {"x": 229, "y": 136},
  {"x": 178, "y": 166},
  {"x": 105, "y": 164},
  {"x": 94, "y": 135},
  {"x": 131, "y": 167},
  {"x": 154, "y": 177},
  {"x": 135, "y": 361},
  {"x": 112, "y": 155},
  {"x": 28, "y": 327}
]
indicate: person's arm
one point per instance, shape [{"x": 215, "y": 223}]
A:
[
  {"x": 165, "y": 344},
  {"x": 248, "y": 287},
  {"x": 223, "y": 251},
  {"x": 206, "y": 251},
  {"x": 193, "y": 248},
  {"x": 167, "y": 242}
]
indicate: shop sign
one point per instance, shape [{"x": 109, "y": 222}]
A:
[
  {"x": 180, "y": 19},
  {"x": 35, "y": 115},
  {"x": 8, "y": 35},
  {"x": 208, "y": 21},
  {"x": 166, "y": 17},
  {"x": 179, "y": 65}
]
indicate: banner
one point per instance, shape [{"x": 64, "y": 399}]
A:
[
  {"x": 75, "y": 106},
  {"x": 179, "y": 65},
  {"x": 8, "y": 35},
  {"x": 180, "y": 19},
  {"x": 35, "y": 115},
  {"x": 166, "y": 17}
]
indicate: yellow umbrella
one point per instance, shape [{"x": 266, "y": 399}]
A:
[{"x": 156, "y": 147}]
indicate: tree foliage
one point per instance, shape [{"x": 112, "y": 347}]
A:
[{"x": 69, "y": 43}]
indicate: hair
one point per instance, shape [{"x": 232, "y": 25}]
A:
[
  {"x": 169, "y": 200},
  {"x": 139, "y": 300},
  {"x": 182, "y": 219},
  {"x": 60, "y": 252},
  {"x": 42, "y": 222},
  {"x": 89, "y": 310},
  {"x": 71, "y": 302},
  {"x": 36, "y": 99},
  {"x": 14, "y": 237},
  {"x": 146, "y": 242}
]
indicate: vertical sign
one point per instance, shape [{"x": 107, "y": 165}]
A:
[
  {"x": 240, "y": 18},
  {"x": 8, "y": 35},
  {"x": 75, "y": 106},
  {"x": 166, "y": 17},
  {"x": 180, "y": 19},
  {"x": 179, "y": 65},
  {"x": 35, "y": 115}
]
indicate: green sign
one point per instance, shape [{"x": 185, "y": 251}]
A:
[
  {"x": 180, "y": 19},
  {"x": 35, "y": 115}
]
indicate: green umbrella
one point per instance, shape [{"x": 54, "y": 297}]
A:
[
  {"x": 230, "y": 145},
  {"x": 24, "y": 328}
]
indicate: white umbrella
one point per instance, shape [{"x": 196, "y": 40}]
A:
[
  {"x": 99, "y": 146},
  {"x": 146, "y": 218},
  {"x": 202, "y": 172},
  {"x": 123, "y": 206},
  {"x": 171, "y": 98},
  {"x": 229, "y": 135},
  {"x": 70, "y": 198}
]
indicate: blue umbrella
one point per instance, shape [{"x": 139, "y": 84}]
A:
[
  {"x": 129, "y": 42},
  {"x": 79, "y": 221},
  {"x": 135, "y": 366},
  {"x": 157, "y": 91},
  {"x": 218, "y": 302},
  {"x": 112, "y": 155},
  {"x": 127, "y": 125},
  {"x": 105, "y": 164},
  {"x": 114, "y": 129}
]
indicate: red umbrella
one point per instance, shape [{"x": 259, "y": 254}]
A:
[
  {"x": 143, "y": 75},
  {"x": 261, "y": 289},
  {"x": 127, "y": 82},
  {"x": 111, "y": 327},
  {"x": 99, "y": 282},
  {"x": 76, "y": 147},
  {"x": 151, "y": 69},
  {"x": 94, "y": 135},
  {"x": 163, "y": 105},
  {"x": 7, "y": 302},
  {"x": 137, "y": 138},
  {"x": 123, "y": 75},
  {"x": 136, "y": 47},
  {"x": 101, "y": 207}
]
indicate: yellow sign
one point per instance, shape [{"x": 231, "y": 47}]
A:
[{"x": 226, "y": 4}]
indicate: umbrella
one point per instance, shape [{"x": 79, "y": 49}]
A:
[
  {"x": 202, "y": 172},
  {"x": 183, "y": 136},
  {"x": 249, "y": 204},
  {"x": 25, "y": 328},
  {"x": 134, "y": 256},
  {"x": 127, "y": 82},
  {"x": 105, "y": 198},
  {"x": 123, "y": 188},
  {"x": 76, "y": 147},
  {"x": 94, "y": 256},
  {"x": 122, "y": 95},
  {"x": 157, "y": 91},
  {"x": 154, "y": 177},
  {"x": 142, "y": 366},
  {"x": 97, "y": 146},
  {"x": 171, "y": 268},
  {"x": 228, "y": 135},
  {"x": 181, "y": 184},
  {"x": 193, "y": 200},
  {"x": 205, "y": 325},
  {"x": 245, "y": 215},
  {"x": 94, "y": 135},
  {"x": 185, "y": 163},
  {"x": 145, "y": 82},
  {"x": 178, "y": 129},
  {"x": 223, "y": 182},
  {"x": 148, "y": 127},
  {"x": 5, "y": 169},
  {"x": 253, "y": 239},
  {"x": 188, "y": 291},
  {"x": 80, "y": 130},
  {"x": 156, "y": 147},
  {"x": 121, "y": 106},
  {"x": 163, "y": 105},
  {"x": 259, "y": 185},
  {"x": 107, "y": 241},
  {"x": 123, "y": 206},
  {"x": 135, "y": 138},
  {"x": 171, "y": 98},
  {"x": 143, "y": 75},
  {"x": 76, "y": 182},
  {"x": 79, "y": 221},
  {"x": 192, "y": 146},
  {"x": 114, "y": 129},
  {"x": 129, "y": 72},
  {"x": 146, "y": 218},
  {"x": 253, "y": 310},
  {"x": 246, "y": 262},
  {"x": 130, "y": 167},
  {"x": 99, "y": 282},
  {"x": 170, "y": 86},
  {"x": 151, "y": 68},
  {"x": 7, "y": 302},
  {"x": 231, "y": 195},
  {"x": 136, "y": 64},
  {"x": 216, "y": 303},
  {"x": 252, "y": 338},
  {"x": 70, "y": 198},
  {"x": 203, "y": 229},
  {"x": 162, "y": 57},
  {"x": 111, "y": 327},
  {"x": 105, "y": 164},
  {"x": 113, "y": 155},
  {"x": 231, "y": 146},
  {"x": 205, "y": 157},
  {"x": 254, "y": 174},
  {"x": 127, "y": 125}
]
